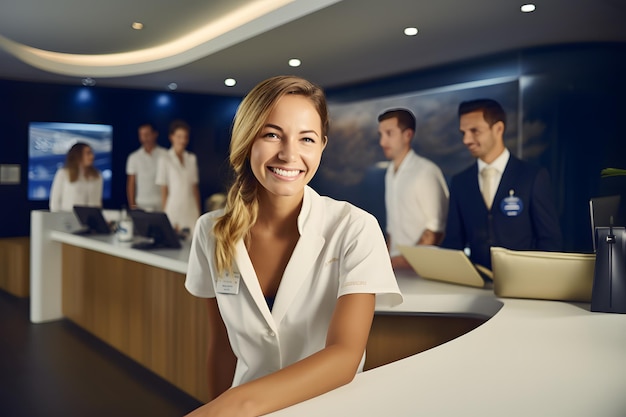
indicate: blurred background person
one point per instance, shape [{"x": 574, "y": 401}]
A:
[
  {"x": 141, "y": 166},
  {"x": 215, "y": 202},
  {"x": 499, "y": 200},
  {"x": 416, "y": 193},
  {"x": 177, "y": 174},
  {"x": 78, "y": 183}
]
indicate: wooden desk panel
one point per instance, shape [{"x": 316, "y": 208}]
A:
[
  {"x": 14, "y": 266},
  {"x": 143, "y": 311},
  {"x": 395, "y": 337},
  {"x": 146, "y": 313}
]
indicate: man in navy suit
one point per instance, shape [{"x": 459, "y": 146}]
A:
[{"x": 500, "y": 200}]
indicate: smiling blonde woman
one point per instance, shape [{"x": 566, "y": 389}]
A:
[{"x": 290, "y": 277}]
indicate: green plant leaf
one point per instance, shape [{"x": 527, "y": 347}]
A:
[{"x": 611, "y": 172}]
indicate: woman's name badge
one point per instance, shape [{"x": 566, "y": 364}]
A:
[
  {"x": 228, "y": 284},
  {"x": 512, "y": 205}
]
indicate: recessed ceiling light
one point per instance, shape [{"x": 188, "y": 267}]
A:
[
  {"x": 163, "y": 100},
  {"x": 84, "y": 95},
  {"x": 230, "y": 82},
  {"x": 294, "y": 62},
  {"x": 89, "y": 82},
  {"x": 527, "y": 8},
  {"x": 137, "y": 25},
  {"x": 172, "y": 86},
  {"x": 410, "y": 31}
]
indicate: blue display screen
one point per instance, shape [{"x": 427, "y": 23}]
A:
[{"x": 48, "y": 143}]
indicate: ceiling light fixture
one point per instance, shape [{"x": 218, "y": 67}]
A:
[
  {"x": 163, "y": 100},
  {"x": 83, "y": 95},
  {"x": 89, "y": 82},
  {"x": 410, "y": 31},
  {"x": 137, "y": 25},
  {"x": 252, "y": 19},
  {"x": 172, "y": 86},
  {"x": 230, "y": 82},
  {"x": 294, "y": 62},
  {"x": 527, "y": 8}
]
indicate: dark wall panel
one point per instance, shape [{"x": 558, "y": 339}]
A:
[
  {"x": 576, "y": 92},
  {"x": 572, "y": 100},
  {"x": 21, "y": 103}
]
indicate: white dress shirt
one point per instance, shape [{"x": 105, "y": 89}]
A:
[
  {"x": 416, "y": 199},
  {"x": 143, "y": 166}
]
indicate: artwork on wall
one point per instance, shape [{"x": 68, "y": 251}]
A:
[
  {"x": 48, "y": 143},
  {"x": 353, "y": 163}
]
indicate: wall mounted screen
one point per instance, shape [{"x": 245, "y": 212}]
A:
[{"x": 48, "y": 143}]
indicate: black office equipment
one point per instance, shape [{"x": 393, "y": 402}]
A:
[
  {"x": 601, "y": 210},
  {"x": 92, "y": 220},
  {"x": 155, "y": 226},
  {"x": 609, "y": 279}
]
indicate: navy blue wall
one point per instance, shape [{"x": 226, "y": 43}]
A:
[
  {"x": 21, "y": 103},
  {"x": 577, "y": 91}
]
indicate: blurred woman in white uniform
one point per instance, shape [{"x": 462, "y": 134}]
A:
[
  {"x": 290, "y": 277},
  {"x": 78, "y": 183},
  {"x": 177, "y": 174}
]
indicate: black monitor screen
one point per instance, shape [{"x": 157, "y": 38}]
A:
[
  {"x": 156, "y": 226},
  {"x": 92, "y": 219}
]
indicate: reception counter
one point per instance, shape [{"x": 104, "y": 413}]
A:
[{"x": 490, "y": 356}]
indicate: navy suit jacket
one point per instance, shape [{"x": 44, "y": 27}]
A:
[{"x": 471, "y": 224}]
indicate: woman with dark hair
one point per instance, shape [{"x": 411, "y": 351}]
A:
[
  {"x": 290, "y": 277},
  {"x": 78, "y": 183}
]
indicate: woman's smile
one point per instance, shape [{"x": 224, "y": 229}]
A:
[{"x": 287, "y": 173}]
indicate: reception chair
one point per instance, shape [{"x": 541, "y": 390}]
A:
[{"x": 542, "y": 275}]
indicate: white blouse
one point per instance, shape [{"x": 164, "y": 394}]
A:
[
  {"x": 341, "y": 251},
  {"x": 181, "y": 206},
  {"x": 64, "y": 195}
]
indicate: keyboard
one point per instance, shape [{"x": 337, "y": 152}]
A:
[{"x": 143, "y": 245}]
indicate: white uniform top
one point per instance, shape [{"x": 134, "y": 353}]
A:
[
  {"x": 416, "y": 198},
  {"x": 181, "y": 206},
  {"x": 64, "y": 195},
  {"x": 143, "y": 166},
  {"x": 341, "y": 251}
]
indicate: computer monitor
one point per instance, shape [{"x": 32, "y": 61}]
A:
[
  {"x": 157, "y": 227},
  {"x": 92, "y": 220}
]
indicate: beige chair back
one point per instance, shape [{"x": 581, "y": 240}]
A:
[{"x": 542, "y": 275}]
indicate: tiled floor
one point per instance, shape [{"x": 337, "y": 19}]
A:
[{"x": 58, "y": 369}]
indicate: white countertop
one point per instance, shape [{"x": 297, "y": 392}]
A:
[
  {"x": 531, "y": 358},
  {"x": 170, "y": 259},
  {"x": 420, "y": 296}
]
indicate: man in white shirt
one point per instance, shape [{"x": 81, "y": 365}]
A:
[
  {"x": 416, "y": 193},
  {"x": 141, "y": 165}
]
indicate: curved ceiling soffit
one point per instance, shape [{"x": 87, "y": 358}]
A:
[{"x": 239, "y": 25}]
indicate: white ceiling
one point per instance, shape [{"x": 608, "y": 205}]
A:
[{"x": 340, "y": 42}]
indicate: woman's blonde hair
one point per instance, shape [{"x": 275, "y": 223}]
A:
[
  {"x": 241, "y": 204},
  {"x": 73, "y": 159}
]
